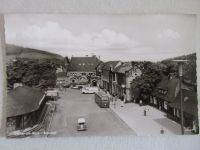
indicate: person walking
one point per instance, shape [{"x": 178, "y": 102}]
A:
[{"x": 124, "y": 100}]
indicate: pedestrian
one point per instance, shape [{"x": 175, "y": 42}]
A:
[
  {"x": 115, "y": 100},
  {"x": 145, "y": 112},
  {"x": 122, "y": 101},
  {"x": 162, "y": 131}
]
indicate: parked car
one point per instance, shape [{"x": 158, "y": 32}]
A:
[
  {"x": 78, "y": 86},
  {"x": 89, "y": 90},
  {"x": 52, "y": 93},
  {"x": 81, "y": 125}
]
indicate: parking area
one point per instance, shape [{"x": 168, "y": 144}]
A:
[{"x": 100, "y": 121}]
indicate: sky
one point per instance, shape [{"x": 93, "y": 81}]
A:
[{"x": 111, "y": 37}]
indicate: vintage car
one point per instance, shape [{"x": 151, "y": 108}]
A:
[
  {"x": 52, "y": 93},
  {"x": 89, "y": 90},
  {"x": 81, "y": 125}
]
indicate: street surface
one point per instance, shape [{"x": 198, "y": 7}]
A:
[{"x": 100, "y": 121}]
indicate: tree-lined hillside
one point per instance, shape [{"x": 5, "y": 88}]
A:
[{"x": 13, "y": 51}]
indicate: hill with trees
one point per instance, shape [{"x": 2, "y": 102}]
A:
[{"x": 13, "y": 52}]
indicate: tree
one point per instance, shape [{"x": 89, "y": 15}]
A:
[{"x": 151, "y": 76}]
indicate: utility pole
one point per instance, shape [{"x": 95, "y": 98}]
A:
[{"x": 180, "y": 65}]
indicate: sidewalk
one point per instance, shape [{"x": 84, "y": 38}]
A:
[{"x": 133, "y": 115}]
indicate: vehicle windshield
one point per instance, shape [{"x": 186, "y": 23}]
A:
[{"x": 104, "y": 99}]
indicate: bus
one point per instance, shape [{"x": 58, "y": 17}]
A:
[{"x": 102, "y": 100}]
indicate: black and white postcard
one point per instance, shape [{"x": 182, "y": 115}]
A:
[{"x": 100, "y": 75}]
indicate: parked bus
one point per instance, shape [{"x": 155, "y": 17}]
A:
[{"x": 102, "y": 100}]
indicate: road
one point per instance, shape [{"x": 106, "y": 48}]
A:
[{"x": 100, "y": 121}]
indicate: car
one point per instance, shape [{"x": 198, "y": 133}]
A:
[
  {"x": 81, "y": 125},
  {"x": 78, "y": 86},
  {"x": 52, "y": 93},
  {"x": 89, "y": 90}
]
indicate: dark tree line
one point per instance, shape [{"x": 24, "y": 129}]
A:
[{"x": 33, "y": 72}]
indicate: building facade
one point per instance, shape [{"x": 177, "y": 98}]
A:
[
  {"x": 108, "y": 75},
  {"x": 165, "y": 93},
  {"x": 82, "y": 70},
  {"x": 125, "y": 74}
]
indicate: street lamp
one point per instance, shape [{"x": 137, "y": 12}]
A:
[
  {"x": 123, "y": 87},
  {"x": 180, "y": 65}
]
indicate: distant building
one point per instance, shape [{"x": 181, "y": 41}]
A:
[
  {"x": 26, "y": 108},
  {"x": 82, "y": 70},
  {"x": 62, "y": 79}
]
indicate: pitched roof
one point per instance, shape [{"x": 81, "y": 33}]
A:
[
  {"x": 22, "y": 100},
  {"x": 168, "y": 85},
  {"x": 189, "y": 102},
  {"x": 109, "y": 64},
  {"x": 123, "y": 67},
  {"x": 83, "y": 63}
]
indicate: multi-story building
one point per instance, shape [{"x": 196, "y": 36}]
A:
[
  {"x": 108, "y": 75},
  {"x": 124, "y": 75},
  {"x": 116, "y": 78},
  {"x": 82, "y": 70}
]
